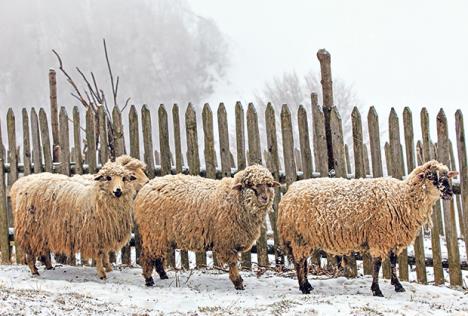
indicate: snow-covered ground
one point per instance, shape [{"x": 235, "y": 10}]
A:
[{"x": 76, "y": 291}]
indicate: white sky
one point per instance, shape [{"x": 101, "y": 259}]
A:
[{"x": 395, "y": 53}]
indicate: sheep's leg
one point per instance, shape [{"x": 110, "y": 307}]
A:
[
  {"x": 106, "y": 262},
  {"x": 31, "y": 261},
  {"x": 395, "y": 282},
  {"x": 301, "y": 267},
  {"x": 147, "y": 265},
  {"x": 375, "y": 277},
  {"x": 159, "y": 265},
  {"x": 45, "y": 259},
  {"x": 100, "y": 265},
  {"x": 234, "y": 275}
]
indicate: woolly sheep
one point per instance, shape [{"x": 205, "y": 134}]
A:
[
  {"x": 56, "y": 213},
  {"x": 199, "y": 214},
  {"x": 380, "y": 216}
]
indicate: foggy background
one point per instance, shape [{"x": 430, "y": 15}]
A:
[{"x": 384, "y": 54}]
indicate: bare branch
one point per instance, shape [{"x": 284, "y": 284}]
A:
[
  {"x": 126, "y": 103},
  {"x": 110, "y": 72},
  {"x": 70, "y": 80}
]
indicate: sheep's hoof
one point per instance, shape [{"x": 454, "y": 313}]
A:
[
  {"x": 149, "y": 281},
  {"x": 103, "y": 277},
  {"x": 163, "y": 276},
  {"x": 50, "y": 268},
  {"x": 35, "y": 273},
  {"x": 239, "y": 287},
  {"x": 399, "y": 288},
  {"x": 306, "y": 288},
  {"x": 377, "y": 293}
]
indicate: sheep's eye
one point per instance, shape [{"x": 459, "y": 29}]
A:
[
  {"x": 108, "y": 178},
  {"x": 255, "y": 190},
  {"x": 132, "y": 178}
]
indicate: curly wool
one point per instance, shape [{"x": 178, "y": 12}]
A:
[
  {"x": 55, "y": 213},
  {"x": 340, "y": 216},
  {"x": 194, "y": 213}
]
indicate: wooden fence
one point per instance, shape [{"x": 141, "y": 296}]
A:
[
  {"x": 311, "y": 157},
  {"x": 320, "y": 149}
]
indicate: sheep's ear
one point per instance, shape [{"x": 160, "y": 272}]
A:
[
  {"x": 98, "y": 178},
  {"x": 452, "y": 174},
  {"x": 421, "y": 175},
  {"x": 237, "y": 186}
]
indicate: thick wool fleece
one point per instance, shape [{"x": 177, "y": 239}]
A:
[
  {"x": 194, "y": 213},
  {"x": 341, "y": 216},
  {"x": 55, "y": 213}
]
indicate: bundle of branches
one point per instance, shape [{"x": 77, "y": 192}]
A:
[{"x": 93, "y": 97}]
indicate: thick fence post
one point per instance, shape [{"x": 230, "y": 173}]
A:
[
  {"x": 462, "y": 163},
  {"x": 255, "y": 157},
  {"x": 26, "y": 144},
  {"x": 348, "y": 160},
  {"x": 45, "y": 139},
  {"x": 4, "y": 227},
  {"x": 397, "y": 171},
  {"x": 224, "y": 150},
  {"x": 435, "y": 239},
  {"x": 411, "y": 164},
  {"x": 327, "y": 95},
  {"x": 54, "y": 112},
  {"x": 443, "y": 154},
  {"x": 103, "y": 140},
  {"x": 304, "y": 141}
]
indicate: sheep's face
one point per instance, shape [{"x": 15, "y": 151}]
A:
[
  {"x": 437, "y": 181},
  {"x": 113, "y": 178},
  {"x": 263, "y": 193}
]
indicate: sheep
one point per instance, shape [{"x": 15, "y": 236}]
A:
[
  {"x": 58, "y": 214},
  {"x": 199, "y": 214},
  {"x": 381, "y": 216}
]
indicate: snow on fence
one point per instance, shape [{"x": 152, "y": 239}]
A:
[{"x": 41, "y": 153}]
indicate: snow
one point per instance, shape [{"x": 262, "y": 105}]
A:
[{"x": 77, "y": 291}]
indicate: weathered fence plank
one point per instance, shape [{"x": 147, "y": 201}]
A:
[
  {"x": 224, "y": 150},
  {"x": 255, "y": 157},
  {"x": 457, "y": 197},
  {"x": 411, "y": 164},
  {"x": 339, "y": 160},
  {"x": 397, "y": 171},
  {"x": 91, "y": 141},
  {"x": 78, "y": 157},
  {"x": 306, "y": 154},
  {"x": 443, "y": 154},
  {"x": 4, "y": 225},
  {"x": 348, "y": 159},
  {"x": 178, "y": 165},
  {"x": 26, "y": 144},
  {"x": 147, "y": 141},
  {"x": 45, "y": 139},
  {"x": 36, "y": 142},
  {"x": 463, "y": 164},
  {"x": 274, "y": 167},
  {"x": 12, "y": 153},
  {"x": 377, "y": 168},
  {"x": 320, "y": 142},
  {"x": 103, "y": 140},
  {"x": 435, "y": 239},
  {"x": 359, "y": 168},
  {"x": 288, "y": 145},
  {"x": 193, "y": 160}
]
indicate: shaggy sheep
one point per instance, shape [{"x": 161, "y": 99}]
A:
[
  {"x": 380, "y": 216},
  {"x": 56, "y": 213},
  {"x": 199, "y": 214}
]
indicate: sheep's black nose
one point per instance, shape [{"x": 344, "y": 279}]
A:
[{"x": 118, "y": 192}]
